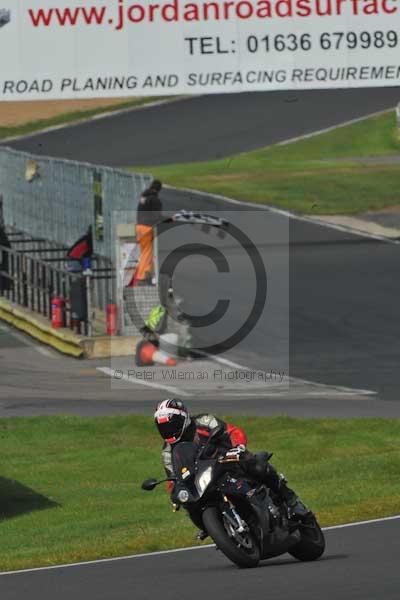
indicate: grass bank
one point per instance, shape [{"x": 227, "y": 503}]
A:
[
  {"x": 70, "y": 117},
  {"x": 70, "y": 487},
  {"x": 326, "y": 174}
]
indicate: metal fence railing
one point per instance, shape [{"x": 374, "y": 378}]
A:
[
  {"x": 58, "y": 199},
  {"x": 33, "y": 283},
  {"x": 51, "y": 252},
  {"x": 32, "y": 273},
  {"x": 46, "y": 205}
]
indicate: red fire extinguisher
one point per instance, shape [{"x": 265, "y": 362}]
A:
[
  {"x": 112, "y": 319},
  {"x": 57, "y": 312}
]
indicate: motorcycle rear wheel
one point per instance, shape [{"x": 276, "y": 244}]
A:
[
  {"x": 312, "y": 543},
  {"x": 244, "y": 558}
]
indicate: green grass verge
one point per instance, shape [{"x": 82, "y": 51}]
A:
[
  {"x": 316, "y": 175},
  {"x": 64, "y": 119},
  {"x": 70, "y": 487}
]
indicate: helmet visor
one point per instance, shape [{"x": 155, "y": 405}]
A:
[{"x": 171, "y": 428}]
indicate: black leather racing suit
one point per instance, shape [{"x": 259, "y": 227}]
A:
[{"x": 256, "y": 465}]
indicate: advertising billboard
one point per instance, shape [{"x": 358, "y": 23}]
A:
[{"x": 94, "y": 48}]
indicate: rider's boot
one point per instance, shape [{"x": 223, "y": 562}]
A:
[
  {"x": 296, "y": 508},
  {"x": 259, "y": 467}
]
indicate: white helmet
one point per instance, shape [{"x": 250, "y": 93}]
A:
[{"x": 172, "y": 419}]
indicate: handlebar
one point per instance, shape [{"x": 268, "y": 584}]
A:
[{"x": 234, "y": 455}]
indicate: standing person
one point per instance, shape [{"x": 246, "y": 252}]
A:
[{"x": 149, "y": 213}]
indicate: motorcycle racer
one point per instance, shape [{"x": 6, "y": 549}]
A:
[{"x": 175, "y": 425}]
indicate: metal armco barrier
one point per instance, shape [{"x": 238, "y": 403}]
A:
[
  {"x": 32, "y": 283},
  {"x": 57, "y": 200},
  {"x": 103, "y": 272},
  {"x": 34, "y": 271}
]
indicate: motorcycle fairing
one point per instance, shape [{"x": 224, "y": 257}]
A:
[{"x": 270, "y": 534}]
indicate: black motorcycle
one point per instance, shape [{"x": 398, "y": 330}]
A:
[{"x": 246, "y": 520}]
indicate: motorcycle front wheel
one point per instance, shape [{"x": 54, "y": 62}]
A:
[{"x": 243, "y": 551}]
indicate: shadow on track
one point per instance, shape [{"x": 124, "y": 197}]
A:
[
  {"x": 281, "y": 562},
  {"x": 17, "y": 499},
  {"x": 292, "y": 561}
]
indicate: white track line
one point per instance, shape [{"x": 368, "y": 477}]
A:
[
  {"x": 157, "y": 386},
  {"x": 286, "y": 213},
  {"x": 284, "y": 394},
  {"x": 340, "y": 388},
  {"x": 175, "y": 551},
  {"x": 325, "y": 389},
  {"x": 312, "y": 220},
  {"x": 305, "y": 136},
  {"x": 381, "y": 520}
]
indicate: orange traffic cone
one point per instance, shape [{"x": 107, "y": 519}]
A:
[{"x": 147, "y": 354}]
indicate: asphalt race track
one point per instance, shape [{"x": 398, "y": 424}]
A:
[
  {"x": 344, "y": 324},
  {"x": 360, "y": 563},
  {"x": 34, "y": 384},
  {"x": 344, "y": 331},
  {"x": 207, "y": 127}
]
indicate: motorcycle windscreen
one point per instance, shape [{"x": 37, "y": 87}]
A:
[
  {"x": 184, "y": 465},
  {"x": 183, "y": 460}
]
